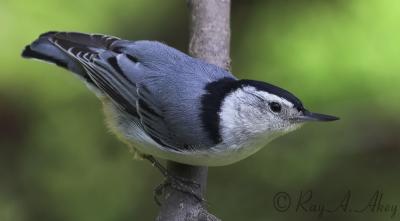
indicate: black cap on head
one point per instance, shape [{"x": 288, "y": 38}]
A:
[{"x": 272, "y": 89}]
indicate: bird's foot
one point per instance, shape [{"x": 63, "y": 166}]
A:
[{"x": 178, "y": 183}]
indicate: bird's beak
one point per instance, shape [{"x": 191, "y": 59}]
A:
[{"x": 309, "y": 116}]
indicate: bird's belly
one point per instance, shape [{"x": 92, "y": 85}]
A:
[
  {"x": 219, "y": 155},
  {"x": 222, "y": 154}
]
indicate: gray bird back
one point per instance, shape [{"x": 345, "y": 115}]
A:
[{"x": 158, "y": 85}]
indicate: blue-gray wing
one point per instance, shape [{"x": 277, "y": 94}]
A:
[{"x": 158, "y": 85}]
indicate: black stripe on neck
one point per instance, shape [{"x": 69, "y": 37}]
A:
[{"x": 211, "y": 103}]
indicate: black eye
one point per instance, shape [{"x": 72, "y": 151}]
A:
[{"x": 275, "y": 107}]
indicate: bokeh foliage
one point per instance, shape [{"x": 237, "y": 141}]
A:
[{"x": 59, "y": 162}]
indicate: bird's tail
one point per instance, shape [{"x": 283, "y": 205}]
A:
[{"x": 44, "y": 48}]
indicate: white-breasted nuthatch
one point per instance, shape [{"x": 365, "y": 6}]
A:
[{"x": 170, "y": 105}]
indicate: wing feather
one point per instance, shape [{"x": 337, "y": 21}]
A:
[
  {"x": 151, "y": 117},
  {"x": 102, "y": 64},
  {"x": 159, "y": 86}
]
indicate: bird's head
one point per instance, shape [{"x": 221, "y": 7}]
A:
[{"x": 252, "y": 108}]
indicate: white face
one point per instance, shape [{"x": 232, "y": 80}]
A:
[{"x": 248, "y": 112}]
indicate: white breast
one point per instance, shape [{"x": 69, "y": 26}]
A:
[{"x": 240, "y": 138}]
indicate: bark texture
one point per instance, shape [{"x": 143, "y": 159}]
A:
[
  {"x": 210, "y": 41},
  {"x": 210, "y": 31}
]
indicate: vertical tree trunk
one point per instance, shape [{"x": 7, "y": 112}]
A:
[
  {"x": 210, "y": 41},
  {"x": 210, "y": 31}
]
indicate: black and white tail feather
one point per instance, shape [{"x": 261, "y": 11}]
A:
[{"x": 84, "y": 55}]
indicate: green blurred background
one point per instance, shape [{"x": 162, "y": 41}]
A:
[{"x": 59, "y": 162}]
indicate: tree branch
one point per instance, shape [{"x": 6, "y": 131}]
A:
[
  {"x": 210, "y": 41},
  {"x": 210, "y": 31}
]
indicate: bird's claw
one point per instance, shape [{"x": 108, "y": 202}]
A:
[{"x": 180, "y": 184}]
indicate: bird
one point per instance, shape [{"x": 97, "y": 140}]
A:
[{"x": 166, "y": 104}]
